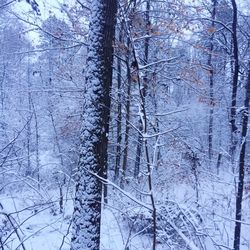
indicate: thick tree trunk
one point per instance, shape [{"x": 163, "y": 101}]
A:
[
  {"x": 94, "y": 133},
  {"x": 238, "y": 214}
]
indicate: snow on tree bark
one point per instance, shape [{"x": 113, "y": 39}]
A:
[
  {"x": 239, "y": 196},
  {"x": 235, "y": 78},
  {"x": 94, "y": 132}
]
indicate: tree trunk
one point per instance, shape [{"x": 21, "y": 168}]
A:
[
  {"x": 211, "y": 86},
  {"x": 238, "y": 213},
  {"x": 127, "y": 125},
  {"x": 2, "y": 89},
  {"x": 235, "y": 81},
  {"x": 28, "y": 168},
  {"x": 119, "y": 112},
  {"x": 94, "y": 132},
  {"x": 143, "y": 91},
  {"x": 60, "y": 183},
  {"x": 37, "y": 172}
]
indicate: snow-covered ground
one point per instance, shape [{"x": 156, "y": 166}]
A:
[
  {"x": 32, "y": 220},
  {"x": 39, "y": 226}
]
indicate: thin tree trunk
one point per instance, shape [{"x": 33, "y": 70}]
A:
[
  {"x": 94, "y": 133},
  {"x": 211, "y": 85},
  {"x": 61, "y": 161},
  {"x": 28, "y": 167},
  {"x": 2, "y": 89},
  {"x": 127, "y": 125},
  {"x": 144, "y": 91},
  {"x": 235, "y": 81},
  {"x": 138, "y": 152},
  {"x": 144, "y": 122},
  {"x": 218, "y": 163},
  {"x": 119, "y": 113},
  {"x": 37, "y": 148},
  {"x": 156, "y": 126},
  {"x": 238, "y": 214}
]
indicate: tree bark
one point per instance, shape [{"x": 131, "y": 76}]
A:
[
  {"x": 238, "y": 213},
  {"x": 127, "y": 123},
  {"x": 94, "y": 132},
  {"x": 119, "y": 112},
  {"x": 211, "y": 85},
  {"x": 143, "y": 91},
  {"x": 235, "y": 81}
]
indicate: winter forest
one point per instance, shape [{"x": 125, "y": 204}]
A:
[{"x": 124, "y": 125}]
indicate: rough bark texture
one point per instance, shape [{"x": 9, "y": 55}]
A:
[{"x": 94, "y": 134}]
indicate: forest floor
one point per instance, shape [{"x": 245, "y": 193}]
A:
[
  {"x": 39, "y": 225},
  {"x": 31, "y": 220}
]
